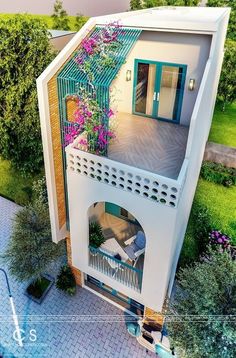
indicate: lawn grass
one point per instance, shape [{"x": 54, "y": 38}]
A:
[
  {"x": 13, "y": 186},
  {"x": 47, "y": 19},
  {"x": 223, "y": 129},
  {"x": 221, "y": 202}
]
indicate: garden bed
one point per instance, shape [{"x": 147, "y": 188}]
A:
[{"x": 38, "y": 290}]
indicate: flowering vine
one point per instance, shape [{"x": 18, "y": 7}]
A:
[
  {"x": 99, "y": 50},
  {"x": 91, "y": 121}
]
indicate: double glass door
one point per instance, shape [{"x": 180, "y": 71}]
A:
[{"x": 158, "y": 89}]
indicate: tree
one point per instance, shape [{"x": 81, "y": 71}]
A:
[
  {"x": 231, "y": 33},
  {"x": 80, "y": 20},
  {"x": 203, "y": 304},
  {"x": 31, "y": 249},
  {"x": 227, "y": 84},
  {"x": 25, "y": 51},
  {"x": 60, "y": 17},
  {"x": 154, "y": 3},
  {"x": 135, "y": 4}
]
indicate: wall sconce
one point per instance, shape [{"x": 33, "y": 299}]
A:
[
  {"x": 191, "y": 84},
  {"x": 128, "y": 75}
]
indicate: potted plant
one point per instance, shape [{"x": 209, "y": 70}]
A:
[
  {"x": 31, "y": 250},
  {"x": 66, "y": 280},
  {"x": 96, "y": 237}
]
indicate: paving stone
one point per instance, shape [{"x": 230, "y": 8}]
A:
[{"x": 65, "y": 339}]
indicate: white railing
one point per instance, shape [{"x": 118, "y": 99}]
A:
[{"x": 139, "y": 182}]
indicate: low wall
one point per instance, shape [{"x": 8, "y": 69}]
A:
[{"x": 219, "y": 153}]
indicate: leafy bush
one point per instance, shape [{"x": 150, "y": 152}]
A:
[
  {"x": 66, "y": 280},
  {"x": 197, "y": 234},
  {"x": 31, "y": 250},
  {"x": 96, "y": 237},
  {"x": 205, "y": 290},
  {"x": 40, "y": 190},
  {"x": 25, "y": 51},
  {"x": 218, "y": 173}
]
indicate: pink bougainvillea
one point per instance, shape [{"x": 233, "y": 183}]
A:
[{"x": 90, "y": 120}]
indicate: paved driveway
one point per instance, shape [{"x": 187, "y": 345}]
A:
[{"x": 79, "y": 326}]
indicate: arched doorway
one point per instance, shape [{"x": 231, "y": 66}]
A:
[{"x": 116, "y": 244}]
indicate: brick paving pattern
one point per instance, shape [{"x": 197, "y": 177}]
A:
[{"x": 83, "y": 326}]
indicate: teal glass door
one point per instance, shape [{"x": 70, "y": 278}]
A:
[{"x": 158, "y": 89}]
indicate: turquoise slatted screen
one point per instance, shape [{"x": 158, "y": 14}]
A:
[{"x": 71, "y": 78}]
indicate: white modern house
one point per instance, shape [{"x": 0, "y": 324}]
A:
[{"x": 162, "y": 80}]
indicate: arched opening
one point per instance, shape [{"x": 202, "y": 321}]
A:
[{"x": 117, "y": 244}]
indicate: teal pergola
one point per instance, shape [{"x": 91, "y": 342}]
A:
[{"x": 71, "y": 78}]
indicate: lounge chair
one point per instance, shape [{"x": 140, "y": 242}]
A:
[{"x": 135, "y": 246}]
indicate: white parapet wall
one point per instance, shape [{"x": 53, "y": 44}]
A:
[{"x": 156, "y": 218}]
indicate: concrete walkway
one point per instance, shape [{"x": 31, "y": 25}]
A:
[{"x": 65, "y": 327}]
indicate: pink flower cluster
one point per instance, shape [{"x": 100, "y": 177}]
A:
[
  {"x": 217, "y": 238},
  {"x": 89, "y": 118},
  {"x": 93, "y": 44}
]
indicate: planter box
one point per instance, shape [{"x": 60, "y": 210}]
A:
[{"x": 40, "y": 300}]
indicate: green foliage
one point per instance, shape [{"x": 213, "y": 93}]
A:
[
  {"x": 60, "y": 17},
  {"x": 80, "y": 20},
  {"x": 206, "y": 289},
  {"x": 231, "y": 33},
  {"x": 227, "y": 84},
  {"x": 197, "y": 233},
  {"x": 13, "y": 185},
  {"x": 25, "y": 51},
  {"x": 48, "y": 20},
  {"x": 223, "y": 126},
  {"x": 221, "y": 204},
  {"x": 154, "y": 3},
  {"x": 31, "y": 249},
  {"x": 96, "y": 237},
  {"x": 135, "y": 4},
  {"x": 66, "y": 280},
  {"x": 38, "y": 287},
  {"x": 218, "y": 174},
  {"x": 40, "y": 190}
]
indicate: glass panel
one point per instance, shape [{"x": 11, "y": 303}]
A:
[
  {"x": 171, "y": 79},
  {"x": 145, "y": 88}
]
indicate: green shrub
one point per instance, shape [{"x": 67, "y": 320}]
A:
[
  {"x": 66, "y": 280},
  {"x": 25, "y": 52},
  {"x": 218, "y": 174},
  {"x": 96, "y": 237},
  {"x": 40, "y": 190},
  {"x": 197, "y": 234},
  {"x": 204, "y": 290}
]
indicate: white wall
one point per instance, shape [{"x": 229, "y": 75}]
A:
[
  {"x": 189, "y": 49},
  {"x": 60, "y": 42},
  {"x": 157, "y": 221},
  {"x": 198, "y": 135}
]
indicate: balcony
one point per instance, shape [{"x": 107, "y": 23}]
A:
[
  {"x": 117, "y": 232},
  {"x": 146, "y": 159},
  {"x": 149, "y": 144},
  {"x": 120, "y": 271}
]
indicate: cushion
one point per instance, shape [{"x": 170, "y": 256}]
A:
[
  {"x": 162, "y": 353},
  {"x": 117, "y": 256},
  {"x": 140, "y": 240},
  {"x": 130, "y": 251}
]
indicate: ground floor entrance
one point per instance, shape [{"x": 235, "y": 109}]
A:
[{"x": 114, "y": 296}]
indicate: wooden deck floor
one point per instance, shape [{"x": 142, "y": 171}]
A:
[
  {"x": 115, "y": 227},
  {"x": 149, "y": 144},
  {"x": 121, "y": 230}
]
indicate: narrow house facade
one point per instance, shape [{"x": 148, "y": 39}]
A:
[{"x": 152, "y": 86}]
